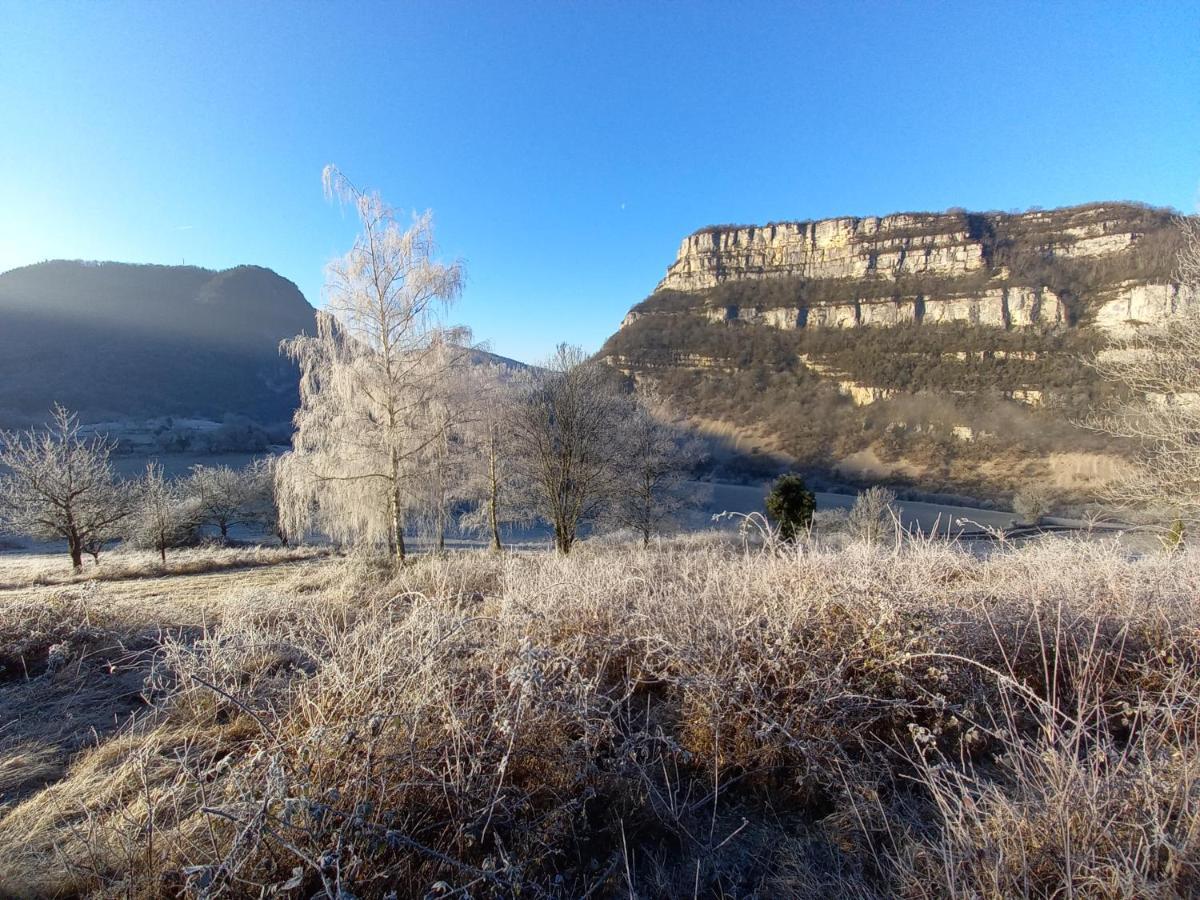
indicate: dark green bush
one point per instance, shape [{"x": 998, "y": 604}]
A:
[{"x": 791, "y": 504}]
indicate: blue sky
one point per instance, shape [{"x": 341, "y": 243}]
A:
[{"x": 567, "y": 148}]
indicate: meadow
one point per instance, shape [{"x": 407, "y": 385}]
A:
[{"x": 706, "y": 717}]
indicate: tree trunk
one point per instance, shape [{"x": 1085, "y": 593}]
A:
[
  {"x": 493, "y": 512},
  {"x": 397, "y": 531},
  {"x": 397, "y": 537},
  {"x": 562, "y": 540},
  {"x": 224, "y": 532},
  {"x": 162, "y": 551},
  {"x": 76, "y": 551},
  {"x": 495, "y": 523}
]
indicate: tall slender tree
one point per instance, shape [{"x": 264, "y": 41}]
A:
[
  {"x": 492, "y": 478},
  {"x": 444, "y": 463},
  {"x": 264, "y": 498},
  {"x": 370, "y": 377}
]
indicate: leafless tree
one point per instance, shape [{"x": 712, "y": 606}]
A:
[
  {"x": 872, "y": 514},
  {"x": 1031, "y": 504},
  {"x": 369, "y": 379},
  {"x": 566, "y": 426},
  {"x": 166, "y": 515},
  {"x": 264, "y": 498},
  {"x": 57, "y": 484},
  {"x": 655, "y": 458},
  {"x": 444, "y": 464},
  {"x": 1158, "y": 367},
  {"x": 492, "y": 479},
  {"x": 225, "y": 495}
]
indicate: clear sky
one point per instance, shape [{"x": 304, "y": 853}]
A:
[{"x": 567, "y": 148}]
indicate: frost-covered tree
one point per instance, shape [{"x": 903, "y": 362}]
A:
[
  {"x": 58, "y": 484},
  {"x": 492, "y": 479},
  {"x": 655, "y": 459},
  {"x": 1158, "y": 366},
  {"x": 165, "y": 515},
  {"x": 265, "y": 512},
  {"x": 444, "y": 465},
  {"x": 225, "y": 496},
  {"x": 566, "y": 441},
  {"x": 873, "y": 514},
  {"x": 370, "y": 378}
]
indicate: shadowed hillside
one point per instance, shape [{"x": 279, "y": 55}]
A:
[{"x": 113, "y": 340}]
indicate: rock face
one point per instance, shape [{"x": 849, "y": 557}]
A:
[
  {"x": 1012, "y": 301},
  {"x": 1133, "y": 304},
  {"x": 1016, "y": 307},
  {"x": 962, "y": 259},
  {"x": 952, "y": 344},
  {"x": 829, "y": 248}
]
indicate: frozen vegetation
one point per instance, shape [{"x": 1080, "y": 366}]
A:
[{"x": 699, "y": 717}]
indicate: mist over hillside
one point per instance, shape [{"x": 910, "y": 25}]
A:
[{"x": 120, "y": 341}]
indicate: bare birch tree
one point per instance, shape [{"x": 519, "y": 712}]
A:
[
  {"x": 1158, "y": 365},
  {"x": 369, "y": 377},
  {"x": 873, "y": 514},
  {"x": 565, "y": 433},
  {"x": 57, "y": 484},
  {"x": 443, "y": 465},
  {"x": 492, "y": 479}
]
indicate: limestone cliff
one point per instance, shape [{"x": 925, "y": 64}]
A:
[
  {"x": 888, "y": 264},
  {"x": 834, "y": 335}
]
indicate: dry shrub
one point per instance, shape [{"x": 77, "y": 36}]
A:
[{"x": 912, "y": 721}]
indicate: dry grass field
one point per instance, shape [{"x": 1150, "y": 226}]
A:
[{"x": 695, "y": 719}]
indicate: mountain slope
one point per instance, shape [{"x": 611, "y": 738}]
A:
[
  {"x": 118, "y": 341},
  {"x": 941, "y": 349}
]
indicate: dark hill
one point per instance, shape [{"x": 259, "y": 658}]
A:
[{"x": 119, "y": 341}]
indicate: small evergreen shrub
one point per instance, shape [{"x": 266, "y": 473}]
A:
[{"x": 791, "y": 504}]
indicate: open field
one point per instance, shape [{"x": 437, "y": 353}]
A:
[
  {"x": 50, "y": 566},
  {"x": 695, "y": 719}
]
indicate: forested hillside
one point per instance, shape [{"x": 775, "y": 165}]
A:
[{"x": 942, "y": 350}]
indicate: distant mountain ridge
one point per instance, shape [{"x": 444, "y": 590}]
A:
[{"x": 123, "y": 341}]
